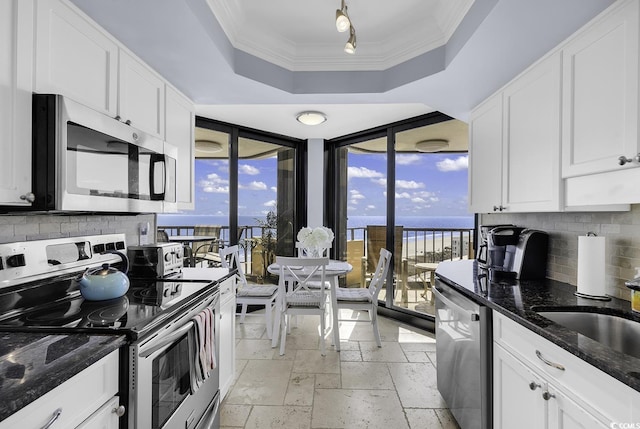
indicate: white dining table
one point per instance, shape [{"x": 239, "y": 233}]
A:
[{"x": 332, "y": 272}]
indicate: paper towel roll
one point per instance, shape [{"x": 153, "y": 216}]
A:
[{"x": 591, "y": 266}]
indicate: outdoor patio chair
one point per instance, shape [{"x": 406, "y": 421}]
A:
[
  {"x": 250, "y": 294},
  {"x": 365, "y": 299},
  {"x": 207, "y": 251},
  {"x": 376, "y": 240},
  {"x": 301, "y": 300}
]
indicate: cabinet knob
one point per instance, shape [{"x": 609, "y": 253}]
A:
[
  {"x": 128, "y": 122},
  {"x": 546, "y": 395},
  {"x": 533, "y": 385},
  {"x": 117, "y": 118},
  {"x": 119, "y": 411},
  {"x": 622, "y": 160},
  {"x": 28, "y": 197},
  {"x": 496, "y": 208}
]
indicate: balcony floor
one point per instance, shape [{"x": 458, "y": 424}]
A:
[{"x": 362, "y": 386}]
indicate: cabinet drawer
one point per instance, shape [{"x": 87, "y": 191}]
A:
[
  {"x": 598, "y": 391},
  {"x": 78, "y": 398},
  {"x": 227, "y": 290}
]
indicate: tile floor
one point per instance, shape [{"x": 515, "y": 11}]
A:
[{"x": 362, "y": 386}]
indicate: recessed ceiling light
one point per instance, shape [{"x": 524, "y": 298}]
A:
[
  {"x": 311, "y": 118},
  {"x": 431, "y": 145},
  {"x": 208, "y": 146}
]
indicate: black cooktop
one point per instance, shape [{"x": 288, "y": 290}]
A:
[{"x": 147, "y": 303}]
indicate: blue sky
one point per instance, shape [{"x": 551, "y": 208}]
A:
[{"x": 426, "y": 184}]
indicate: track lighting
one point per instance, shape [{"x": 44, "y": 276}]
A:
[
  {"x": 342, "y": 19},
  {"x": 350, "y": 47}
]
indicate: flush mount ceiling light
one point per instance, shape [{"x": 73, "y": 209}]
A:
[
  {"x": 311, "y": 118},
  {"x": 432, "y": 145},
  {"x": 342, "y": 19},
  {"x": 350, "y": 47},
  {"x": 208, "y": 146}
]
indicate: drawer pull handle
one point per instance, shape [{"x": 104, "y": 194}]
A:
[
  {"x": 533, "y": 385},
  {"x": 55, "y": 416},
  {"x": 548, "y": 362}
]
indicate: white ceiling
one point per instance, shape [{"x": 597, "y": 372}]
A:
[{"x": 184, "y": 41}]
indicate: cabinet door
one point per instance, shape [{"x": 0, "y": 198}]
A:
[
  {"x": 227, "y": 340},
  {"x": 531, "y": 155},
  {"x": 600, "y": 94},
  {"x": 74, "y": 57},
  {"x": 517, "y": 394},
  {"x": 179, "y": 126},
  {"x": 485, "y": 155},
  {"x": 140, "y": 96},
  {"x": 566, "y": 414},
  {"x": 16, "y": 53}
]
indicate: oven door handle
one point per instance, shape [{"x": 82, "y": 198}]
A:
[{"x": 148, "y": 350}]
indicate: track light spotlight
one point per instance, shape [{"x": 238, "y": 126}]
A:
[
  {"x": 350, "y": 47},
  {"x": 342, "y": 19}
]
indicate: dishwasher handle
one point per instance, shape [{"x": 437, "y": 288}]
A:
[{"x": 474, "y": 317}]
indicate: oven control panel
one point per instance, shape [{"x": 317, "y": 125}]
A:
[{"x": 29, "y": 260}]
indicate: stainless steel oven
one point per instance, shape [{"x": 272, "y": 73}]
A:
[
  {"x": 162, "y": 390},
  {"x": 84, "y": 160}
]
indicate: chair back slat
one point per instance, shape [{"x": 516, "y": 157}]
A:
[
  {"x": 380, "y": 275},
  {"x": 230, "y": 258}
]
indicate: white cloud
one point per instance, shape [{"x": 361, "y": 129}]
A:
[
  {"x": 407, "y": 159},
  {"x": 448, "y": 164},
  {"x": 408, "y": 184},
  {"x": 418, "y": 200},
  {"x": 403, "y": 195},
  {"x": 255, "y": 186},
  {"x": 274, "y": 189},
  {"x": 381, "y": 182},
  {"x": 214, "y": 184},
  {"x": 248, "y": 169},
  {"x": 362, "y": 172},
  {"x": 423, "y": 194},
  {"x": 356, "y": 195},
  {"x": 370, "y": 207},
  {"x": 271, "y": 203}
]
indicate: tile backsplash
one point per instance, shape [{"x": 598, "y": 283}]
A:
[
  {"x": 26, "y": 227},
  {"x": 621, "y": 229}
]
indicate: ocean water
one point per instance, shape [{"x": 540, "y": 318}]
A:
[{"x": 463, "y": 222}]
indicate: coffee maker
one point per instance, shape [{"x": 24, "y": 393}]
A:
[
  {"x": 516, "y": 252},
  {"x": 483, "y": 233}
]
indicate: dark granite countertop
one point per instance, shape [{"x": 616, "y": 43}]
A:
[
  {"x": 32, "y": 364},
  {"x": 515, "y": 299}
]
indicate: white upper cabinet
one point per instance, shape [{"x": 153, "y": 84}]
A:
[
  {"x": 179, "y": 126},
  {"x": 600, "y": 94},
  {"x": 16, "y": 64},
  {"x": 531, "y": 149},
  {"x": 485, "y": 149},
  {"x": 74, "y": 57},
  {"x": 515, "y": 145},
  {"x": 140, "y": 96}
]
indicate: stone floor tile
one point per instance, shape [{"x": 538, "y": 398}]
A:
[
  {"x": 328, "y": 381},
  {"x": 311, "y": 361},
  {"x": 416, "y": 385},
  {"x": 417, "y": 356},
  {"x": 300, "y": 390},
  {"x": 234, "y": 415},
  {"x": 423, "y": 418},
  {"x": 389, "y": 352},
  {"x": 263, "y": 382},
  {"x": 446, "y": 419},
  {"x": 271, "y": 417},
  {"x": 365, "y": 375},
  {"x": 350, "y": 356},
  {"x": 357, "y": 409},
  {"x": 254, "y": 349}
]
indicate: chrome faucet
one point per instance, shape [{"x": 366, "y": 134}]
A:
[{"x": 633, "y": 284}]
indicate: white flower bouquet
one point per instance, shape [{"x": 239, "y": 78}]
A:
[{"x": 313, "y": 240}]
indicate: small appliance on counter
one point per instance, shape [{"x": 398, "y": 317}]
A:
[
  {"x": 483, "y": 232},
  {"x": 155, "y": 260},
  {"x": 516, "y": 253}
]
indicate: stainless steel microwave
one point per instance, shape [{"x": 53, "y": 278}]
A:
[{"x": 84, "y": 160}]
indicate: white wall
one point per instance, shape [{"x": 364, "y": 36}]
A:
[{"x": 315, "y": 182}]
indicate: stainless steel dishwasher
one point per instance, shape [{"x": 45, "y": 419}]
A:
[{"x": 463, "y": 352}]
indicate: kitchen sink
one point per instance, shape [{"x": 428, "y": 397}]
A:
[{"x": 616, "y": 332}]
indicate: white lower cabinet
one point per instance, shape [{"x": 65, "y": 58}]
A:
[
  {"x": 227, "y": 335},
  {"x": 537, "y": 384},
  {"x": 86, "y": 400},
  {"x": 524, "y": 399}
]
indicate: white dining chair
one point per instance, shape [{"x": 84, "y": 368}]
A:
[
  {"x": 365, "y": 299},
  {"x": 250, "y": 294},
  {"x": 299, "y": 298}
]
